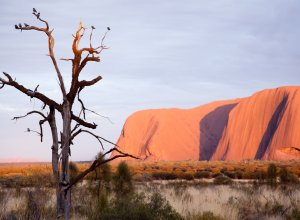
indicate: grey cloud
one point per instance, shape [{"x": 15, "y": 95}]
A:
[{"x": 162, "y": 54}]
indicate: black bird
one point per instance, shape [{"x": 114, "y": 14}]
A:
[
  {"x": 108, "y": 28},
  {"x": 30, "y": 93},
  {"x": 38, "y": 15},
  {"x": 34, "y": 11},
  {"x": 26, "y": 25},
  {"x": 16, "y": 26},
  {"x": 28, "y": 129},
  {"x": 93, "y": 27},
  {"x": 36, "y": 88},
  {"x": 20, "y": 26}
]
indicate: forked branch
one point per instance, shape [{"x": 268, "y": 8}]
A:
[
  {"x": 97, "y": 163},
  {"x": 48, "y": 32},
  {"x": 41, "y": 122},
  {"x": 33, "y": 94},
  {"x": 47, "y": 101},
  {"x": 88, "y": 132},
  {"x": 79, "y": 63}
]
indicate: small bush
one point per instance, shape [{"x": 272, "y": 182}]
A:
[
  {"x": 164, "y": 176},
  {"x": 208, "y": 169},
  {"x": 206, "y": 216},
  {"x": 229, "y": 174},
  {"x": 202, "y": 174},
  {"x": 272, "y": 171},
  {"x": 136, "y": 207},
  {"x": 214, "y": 175},
  {"x": 259, "y": 175},
  {"x": 123, "y": 180},
  {"x": 295, "y": 215},
  {"x": 287, "y": 177},
  {"x": 187, "y": 176},
  {"x": 222, "y": 180},
  {"x": 73, "y": 169},
  {"x": 223, "y": 170},
  {"x": 237, "y": 174}
]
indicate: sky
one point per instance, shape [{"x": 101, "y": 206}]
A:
[{"x": 162, "y": 54}]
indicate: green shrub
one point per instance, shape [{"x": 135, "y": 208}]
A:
[
  {"x": 259, "y": 175},
  {"x": 238, "y": 174},
  {"x": 164, "y": 176},
  {"x": 208, "y": 169},
  {"x": 136, "y": 207},
  {"x": 287, "y": 177},
  {"x": 73, "y": 169},
  {"x": 206, "y": 216},
  {"x": 123, "y": 180},
  {"x": 230, "y": 174},
  {"x": 202, "y": 174},
  {"x": 295, "y": 215},
  {"x": 272, "y": 171},
  {"x": 36, "y": 179},
  {"x": 272, "y": 174},
  {"x": 223, "y": 170},
  {"x": 187, "y": 176},
  {"x": 214, "y": 175},
  {"x": 222, "y": 180}
]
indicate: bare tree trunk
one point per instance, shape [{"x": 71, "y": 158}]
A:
[
  {"x": 66, "y": 138},
  {"x": 55, "y": 161}
]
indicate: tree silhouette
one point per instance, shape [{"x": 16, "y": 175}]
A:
[{"x": 61, "y": 141}]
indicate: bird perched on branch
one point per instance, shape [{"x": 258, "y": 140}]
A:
[
  {"x": 26, "y": 25},
  {"x": 34, "y": 11},
  {"x": 20, "y": 26},
  {"x": 16, "y": 26},
  {"x": 38, "y": 15},
  {"x": 93, "y": 27},
  {"x": 30, "y": 93},
  {"x": 108, "y": 28},
  {"x": 36, "y": 88}
]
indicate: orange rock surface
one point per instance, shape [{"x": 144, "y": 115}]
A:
[{"x": 265, "y": 125}]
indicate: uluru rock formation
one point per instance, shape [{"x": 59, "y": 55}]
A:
[{"x": 265, "y": 125}]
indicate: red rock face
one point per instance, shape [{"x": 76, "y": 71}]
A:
[{"x": 263, "y": 126}]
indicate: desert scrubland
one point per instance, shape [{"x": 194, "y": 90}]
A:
[{"x": 173, "y": 190}]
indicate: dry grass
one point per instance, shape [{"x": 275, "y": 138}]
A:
[
  {"x": 28, "y": 169},
  {"x": 193, "y": 199},
  {"x": 249, "y": 169}
]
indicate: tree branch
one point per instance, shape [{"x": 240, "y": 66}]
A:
[
  {"x": 41, "y": 122},
  {"x": 50, "y": 46},
  {"x": 96, "y": 163},
  {"x": 83, "y": 83},
  {"x": 83, "y": 123},
  {"x": 43, "y": 99},
  {"x": 79, "y": 64},
  {"x": 81, "y": 102},
  {"x": 30, "y": 93},
  {"x": 107, "y": 118},
  {"x": 89, "y": 132},
  {"x": 29, "y": 113}
]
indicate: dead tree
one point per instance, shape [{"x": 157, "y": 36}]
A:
[{"x": 62, "y": 140}]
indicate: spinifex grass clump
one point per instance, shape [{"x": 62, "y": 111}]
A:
[{"x": 126, "y": 204}]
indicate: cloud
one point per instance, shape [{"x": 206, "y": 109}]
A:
[
  {"x": 162, "y": 53},
  {"x": 5, "y": 108}
]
